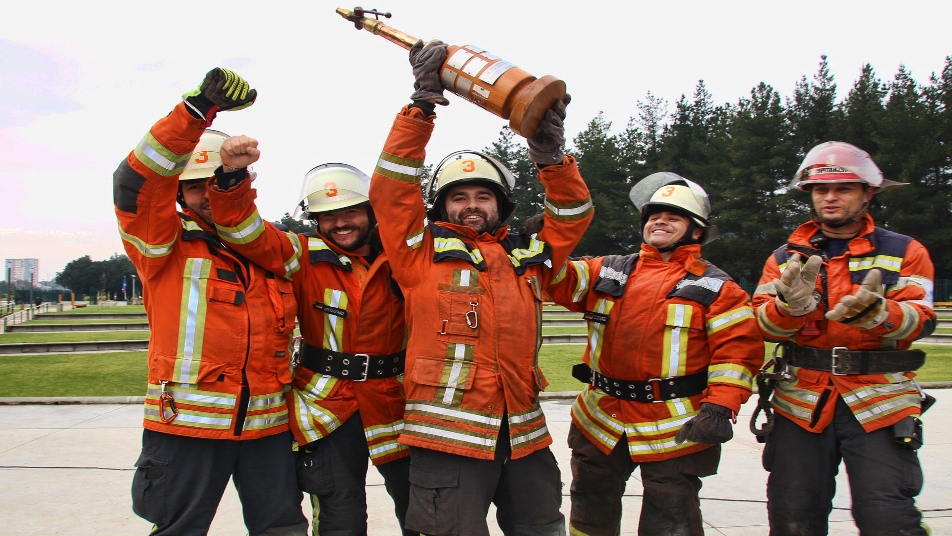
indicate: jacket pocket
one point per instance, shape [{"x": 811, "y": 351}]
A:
[
  {"x": 459, "y": 310},
  {"x": 434, "y": 500},
  {"x": 150, "y": 489},
  {"x": 429, "y": 371}
]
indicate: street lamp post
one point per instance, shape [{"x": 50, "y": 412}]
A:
[{"x": 133, "y": 289}]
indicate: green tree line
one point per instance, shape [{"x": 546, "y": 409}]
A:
[
  {"x": 745, "y": 154},
  {"x": 85, "y": 276}
]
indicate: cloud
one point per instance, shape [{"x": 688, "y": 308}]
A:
[{"x": 34, "y": 83}]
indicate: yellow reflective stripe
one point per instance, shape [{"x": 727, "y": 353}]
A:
[
  {"x": 541, "y": 431},
  {"x": 294, "y": 263},
  {"x": 466, "y": 278},
  {"x": 526, "y": 416},
  {"x": 767, "y": 288},
  {"x": 675, "y": 346},
  {"x": 415, "y": 240},
  {"x": 653, "y": 428},
  {"x": 728, "y": 319},
  {"x": 243, "y": 233},
  {"x": 803, "y": 396},
  {"x": 783, "y": 406},
  {"x": 192, "y": 396},
  {"x": 384, "y": 449},
  {"x": 456, "y": 371},
  {"x": 909, "y": 323},
  {"x": 517, "y": 255},
  {"x": 399, "y": 168},
  {"x": 561, "y": 275},
  {"x": 159, "y": 159},
  {"x": 884, "y": 262},
  {"x": 773, "y": 331},
  {"x": 455, "y": 244},
  {"x": 316, "y": 244},
  {"x": 452, "y": 435},
  {"x": 305, "y": 403},
  {"x": 190, "y": 225},
  {"x": 267, "y": 401},
  {"x": 383, "y": 430},
  {"x": 596, "y": 332},
  {"x": 191, "y": 335},
  {"x": 192, "y": 418},
  {"x": 730, "y": 373},
  {"x": 868, "y": 392},
  {"x": 479, "y": 418},
  {"x": 267, "y": 420},
  {"x": 888, "y": 407},
  {"x": 584, "y": 277},
  {"x": 606, "y": 429},
  {"x": 333, "y": 324},
  {"x": 568, "y": 211},
  {"x": 147, "y": 250},
  {"x": 680, "y": 406}
]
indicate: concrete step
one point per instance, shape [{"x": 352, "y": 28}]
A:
[
  {"x": 563, "y": 323},
  {"x": 50, "y": 328},
  {"x": 87, "y": 316},
  {"x": 71, "y": 347}
]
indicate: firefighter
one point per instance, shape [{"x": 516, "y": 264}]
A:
[
  {"x": 221, "y": 335},
  {"x": 347, "y": 403},
  {"x": 672, "y": 349},
  {"x": 474, "y": 425},
  {"x": 845, "y": 389}
]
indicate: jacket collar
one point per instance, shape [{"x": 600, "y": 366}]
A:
[
  {"x": 862, "y": 244},
  {"x": 688, "y": 256}
]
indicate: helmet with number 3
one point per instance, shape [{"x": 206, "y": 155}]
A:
[
  {"x": 469, "y": 167},
  {"x": 330, "y": 187},
  {"x": 666, "y": 190},
  {"x": 206, "y": 157}
]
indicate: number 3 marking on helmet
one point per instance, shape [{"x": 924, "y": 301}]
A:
[
  {"x": 668, "y": 191},
  {"x": 331, "y": 188},
  {"x": 469, "y": 166},
  {"x": 202, "y": 157}
]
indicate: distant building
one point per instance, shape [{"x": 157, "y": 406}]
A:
[{"x": 21, "y": 269}]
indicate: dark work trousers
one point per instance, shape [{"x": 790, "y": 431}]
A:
[
  {"x": 333, "y": 470},
  {"x": 884, "y": 478},
  {"x": 450, "y": 494},
  {"x": 179, "y": 482},
  {"x": 670, "y": 506}
]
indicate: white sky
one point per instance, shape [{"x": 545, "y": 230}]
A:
[{"x": 80, "y": 83}]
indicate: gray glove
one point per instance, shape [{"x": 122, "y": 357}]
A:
[
  {"x": 427, "y": 59},
  {"x": 865, "y": 309},
  {"x": 545, "y": 148},
  {"x": 796, "y": 284},
  {"x": 711, "y": 426}
]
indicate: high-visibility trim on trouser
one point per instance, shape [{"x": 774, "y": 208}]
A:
[
  {"x": 333, "y": 324},
  {"x": 191, "y": 335}
]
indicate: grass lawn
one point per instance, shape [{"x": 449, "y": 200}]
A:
[
  {"x": 47, "y": 321},
  {"x": 581, "y": 330},
  {"x": 106, "y": 374},
  {"x": 125, "y": 373},
  {"x": 76, "y": 336},
  {"x": 95, "y": 309}
]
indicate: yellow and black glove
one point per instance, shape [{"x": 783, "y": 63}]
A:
[
  {"x": 221, "y": 90},
  {"x": 866, "y": 308}
]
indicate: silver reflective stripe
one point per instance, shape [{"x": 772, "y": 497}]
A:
[
  {"x": 534, "y": 434},
  {"x": 399, "y": 168},
  {"x": 519, "y": 418},
  {"x": 572, "y": 211},
  {"x": 195, "y": 292},
  {"x": 266, "y": 421},
  {"x": 454, "y": 414},
  {"x": 453, "y": 436},
  {"x": 453, "y": 380}
]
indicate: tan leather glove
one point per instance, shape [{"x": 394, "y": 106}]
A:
[
  {"x": 796, "y": 284},
  {"x": 865, "y": 309}
]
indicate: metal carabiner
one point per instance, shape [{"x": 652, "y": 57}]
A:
[
  {"x": 474, "y": 321},
  {"x": 166, "y": 398}
]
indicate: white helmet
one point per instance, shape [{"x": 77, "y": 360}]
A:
[
  {"x": 666, "y": 189},
  {"x": 330, "y": 187},
  {"x": 206, "y": 157},
  {"x": 838, "y": 162},
  {"x": 470, "y": 167}
]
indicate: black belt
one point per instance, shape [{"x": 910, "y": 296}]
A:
[
  {"x": 357, "y": 367},
  {"x": 653, "y": 390},
  {"x": 841, "y": 361}
]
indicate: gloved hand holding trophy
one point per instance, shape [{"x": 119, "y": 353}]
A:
[{"x": 474, "y": 74}]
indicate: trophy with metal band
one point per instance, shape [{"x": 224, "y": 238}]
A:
[{"x": 480, "y": 77}]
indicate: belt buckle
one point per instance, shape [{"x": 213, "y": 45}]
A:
[
  {"x": 654, "y": 385},
  {"x": 366, "y": 369},
  {"x": 833, "y": 356}
]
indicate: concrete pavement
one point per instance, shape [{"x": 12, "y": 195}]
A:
[{"x": 66, "y": 469}]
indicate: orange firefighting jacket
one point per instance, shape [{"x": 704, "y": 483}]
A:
[
  {"x": 363, "y": 314},
  {"x": 221, "y": 326},
  {"x": 473, "y": 302},
  {"x": 654, "y": 319},
  {"x": 877, "y": 400}
]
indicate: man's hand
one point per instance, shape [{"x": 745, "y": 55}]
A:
[
  {"x": 427, "y": 59},
  {"x": 222, "y": 89},
  {"x": 239, "y": 152},
  {"x": 796, "y": 284},
  {"x": 545, "y": 148},
  {"x": 711, "y": 426},
  {"x": 865, "y": 309}
]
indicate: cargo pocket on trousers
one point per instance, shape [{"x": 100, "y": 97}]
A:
[
  {"x": 434, "y": 500},
  {"x": 312, "y": 474},
  {"x": 149, "y": 489}
]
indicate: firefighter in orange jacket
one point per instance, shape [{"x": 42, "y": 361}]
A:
[
  {"x": 347, "y": 402},
  {"x": 844, "y": 387},
  {"x": 672, "y": 349},
  {"x": 221, "y": 335},
  {"x": 473, "y": 291}
]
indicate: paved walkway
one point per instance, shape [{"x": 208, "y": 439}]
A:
[{"x": 66, "y": 469}]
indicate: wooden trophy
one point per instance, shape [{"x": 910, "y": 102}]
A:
[{"x": 480, "y": 77}]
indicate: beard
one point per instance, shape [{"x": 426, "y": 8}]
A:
[
  {"x": 487, "y": 224},
  {"x": 349, "y": 242}
]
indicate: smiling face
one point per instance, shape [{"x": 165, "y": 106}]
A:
[
  {"x": 474, "y": 206},
  {"x": 347, "y": 228},
  {"x": 663, "y": 229},
  {"x": 195, "y": 194},
  {"x": 839, "y": 204}
]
